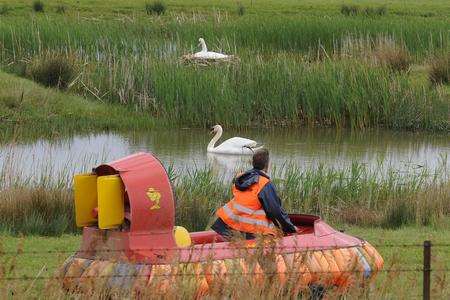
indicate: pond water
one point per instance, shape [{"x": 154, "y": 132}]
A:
[{"x": 185, "y": 150}]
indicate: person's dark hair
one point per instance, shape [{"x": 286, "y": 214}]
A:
[{"x": 261, "y": 159}]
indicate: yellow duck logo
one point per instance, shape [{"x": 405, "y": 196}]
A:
[{"x": 154, "y": 196}]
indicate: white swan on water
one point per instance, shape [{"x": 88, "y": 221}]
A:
[
  {"x": 235, "y": 145},
  {"x": 205, "y": 54}
]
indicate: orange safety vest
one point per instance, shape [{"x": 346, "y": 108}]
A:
[{"x": 244, "y": 211}]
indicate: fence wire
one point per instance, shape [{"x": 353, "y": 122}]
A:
[
  {"x": 176, "y": 274},
  {"x": 209, "y": 247}
]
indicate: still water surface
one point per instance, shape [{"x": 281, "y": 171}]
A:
[{"x": 185, "y": 150}]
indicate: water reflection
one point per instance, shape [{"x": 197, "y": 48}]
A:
[
  {"x": 186, "y": 149},
  {"x": 230, "y": 163}
]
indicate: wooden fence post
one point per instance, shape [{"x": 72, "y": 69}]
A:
[{"x": 426, "y": 270}]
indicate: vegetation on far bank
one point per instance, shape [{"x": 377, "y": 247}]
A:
[
  {"x": 295, "y": 69},
  {"x": 99, "y": 8},
  {"x": 27, "y": 108}
]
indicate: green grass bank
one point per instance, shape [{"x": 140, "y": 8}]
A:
[{"x": 28, "y": 109}]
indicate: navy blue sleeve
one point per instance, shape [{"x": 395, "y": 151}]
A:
[{"x": 272, "y": 206}]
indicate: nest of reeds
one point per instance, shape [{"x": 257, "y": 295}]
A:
[{"x": 190, "y": 59}]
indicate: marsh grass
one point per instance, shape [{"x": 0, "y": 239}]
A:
[
  {"x": 353, "y": 195},
  {"x": 198, "y": 195},
  {"x": 369, "y": 11},
  {"x": 53, "y": 69},
  {"x": 37, "y": 211},
  {"x": 38, "y": 6},
  {"x": 439, "y": 69},
  {"x": 349, "y": 10},
  {"x": 61, "y": 9},
  {"x": 395, "y": 57},
  {"x": 383, "y": 51},
  {"x": 288, "y": 93},
  {"x": 291, "y": 77},
  {"x": 240, "y": 9},
  {"x": 4, "y": 9},
  {"x": 425, "y": 207},
  {"x": 156, "y": 7},
  {"x": 257, "y": 34},
  {"x": 375, "y": 11}
]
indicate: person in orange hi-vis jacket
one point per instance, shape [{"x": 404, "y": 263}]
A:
[{"x": 255, "y": 207}]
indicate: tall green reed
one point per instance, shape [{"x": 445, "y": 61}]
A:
[
  {"x": 286, "y": 92},
  {"x": 256, "y": 33},
  {"x": 355, "y": 195}
]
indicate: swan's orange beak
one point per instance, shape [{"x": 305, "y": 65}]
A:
[{"x": 212, "y": 130}]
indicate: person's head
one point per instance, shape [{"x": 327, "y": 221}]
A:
[{"x": 261, "y": 159}]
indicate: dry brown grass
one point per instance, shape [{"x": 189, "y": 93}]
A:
[
  {"x": 382, "y": 51},
  {"x": 36, "y": 210},
  {"x": 395, "y": 57},
  {"x": 53, "y": 69},
  {"x": 425, "y": 207},
  {"x": 439, "y": 72}
]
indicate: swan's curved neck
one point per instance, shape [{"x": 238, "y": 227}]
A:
[
  {"x": 203, "y": 44},
  {"x": 215, "y": 139}
]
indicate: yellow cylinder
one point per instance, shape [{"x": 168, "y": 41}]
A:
[
  {"x": 111, "y": 209},
  {"x": 182, "y": 236},
  {"x": 85, "y": 196}
]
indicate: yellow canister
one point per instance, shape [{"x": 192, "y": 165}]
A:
[
  {"x": 85, "y": 194},
  {"x": 182, "y": 236},
  {"x": 111, "y": 209}
]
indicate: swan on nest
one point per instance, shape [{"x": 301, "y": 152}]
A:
[
  {"x": 205, "y": 56},
  {"x": 235, "y": 145}
]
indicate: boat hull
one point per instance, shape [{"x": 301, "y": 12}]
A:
[{"x": 323, "y": 257}]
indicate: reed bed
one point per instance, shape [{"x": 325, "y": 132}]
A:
[
  {"x": 354, "y": 195},
  {"x": 258, "y": 34},
  {"x": 286, "y": 92},
  {"x": 293, "y": 71}
]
